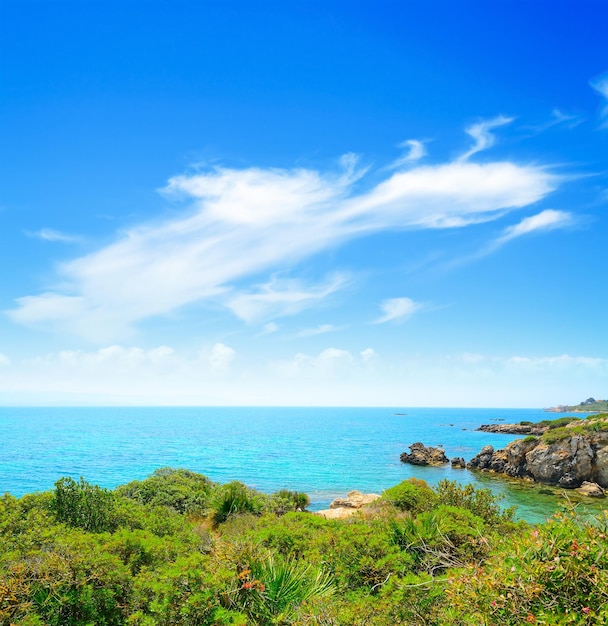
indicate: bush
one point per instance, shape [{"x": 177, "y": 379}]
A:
[
  {"x": 179, "y": 489},
  {"x": 286, "y": 501},
  {"x": 272, "y": 590},
  {"x": 480, "y": 502},
  {"x": 411, "y": 496},
  {"x": 234, "y": 498},
  {"x": 82, "y": 505}
]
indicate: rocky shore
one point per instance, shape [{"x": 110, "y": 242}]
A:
[
  {"x": 568, "y": 462},
  {"x": 568, "y": 452},
  {"x": 514, "y": 429}
]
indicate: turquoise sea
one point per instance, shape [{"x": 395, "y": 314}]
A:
[{"x": 325, "y": 452}]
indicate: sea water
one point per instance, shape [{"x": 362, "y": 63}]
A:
[{"x": 324, "y": 452}]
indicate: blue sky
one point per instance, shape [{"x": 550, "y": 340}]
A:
[{"x": 293, "y": 203}]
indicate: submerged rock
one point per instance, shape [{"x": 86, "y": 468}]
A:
[{"x": 422, "y": 455}]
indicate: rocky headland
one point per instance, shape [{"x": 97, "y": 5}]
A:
[{"x": 574, "y": 455}]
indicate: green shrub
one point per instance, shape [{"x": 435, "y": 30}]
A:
[
  {"x": 286, "y": 501},
  {"x": 411, "y": 496},
  {"x": 271, "y": 591},
  {"x": 179, "y": 489},
  {"x": 234, "y": 498},
  {"x": 480, "y": 502},
  {"x": 82, "y": 505}
]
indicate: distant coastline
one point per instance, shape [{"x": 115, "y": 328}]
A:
[{"x": 591, "y": 405}]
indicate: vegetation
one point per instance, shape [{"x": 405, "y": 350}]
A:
[
  {"x": 589, "y": 426},
  {"x": 564, "y": 427},
  {"x": 177, "y": 549}
]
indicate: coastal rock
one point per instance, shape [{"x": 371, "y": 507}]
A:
[
  {"x": 422, "y": 455},
  {"x": 345, "y": 507},
  {"x": 568, "y": 462},
  {"x": 458, "y": 463},
  {"x": 514, "y": 429},
  {"x": 354, "y": 500},
  {"x": 601, "y": 466},
  {"x": 592, "y": 490},
  {"x": 340, "y": 513}
]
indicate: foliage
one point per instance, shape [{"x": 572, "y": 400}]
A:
[
  {"x": 285, "y": 501},
  {"x": 411, "y": 495},
  {"x": 235, "y": 498},
  {"x": 180, "y": 489},
  {"x": 589, "y": 426},
  {"x": 195, "y": 553},
  {"x": 480, "y": 502},
  {"x": 82, "y": 505},
  {"x": 270, "y": 591}
]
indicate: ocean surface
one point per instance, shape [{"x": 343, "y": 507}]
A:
[{"x": 324, "y": 452}]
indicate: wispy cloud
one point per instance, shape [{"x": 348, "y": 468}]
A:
[
  {"x": 239, "y": 224},
  {"x": 543, "y": 221},
  {"x": 48, "y": 234},
  {"x": 557, "y": 118},
  {"x": 600, "y": 85},
  {"x": 415, "y": 151},
  {"x": 269, "y": 329},
  {"x": 397, "y": 309},
  {"x": 281, "y": 297},
  {"x": 317, "y": 330},
  {"x": 484, "y": 139}
]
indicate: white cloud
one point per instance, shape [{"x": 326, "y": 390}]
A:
[
  {"x": 397, "y": 308},
  {"x": 131, "y": 375},
  {"x": 318, "y": 330},
  {"x": 281, "y": 297},
  {"x": 472, "y": 357},
  {"x": 4, "y": 360},
  {"x": 368, "y": 354},
  {"x": 48, "y": 234},
  {"x": 269, "y": 329},
  {"x": 480, "y": 132},
  {"x": 415, "y": 151},
  {"x": 601, "y": 86},
  {"x": 559, "y": 362},
  {"x": 221, "y": 357},
  {"x": 543, "y": 221},
  {"x": 243, "y": 223}
]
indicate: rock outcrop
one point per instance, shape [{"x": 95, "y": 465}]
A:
[
  {"x": 593, "y": 490},
  {"x": 345, "y": 507},
  {"x": 567, "y": 462},
  {"x": 422, "y": 455},
  {"x": 354, "y": 500},
  {"x": 458, "y": 462},
  {"x": 514, "y": 429}
]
